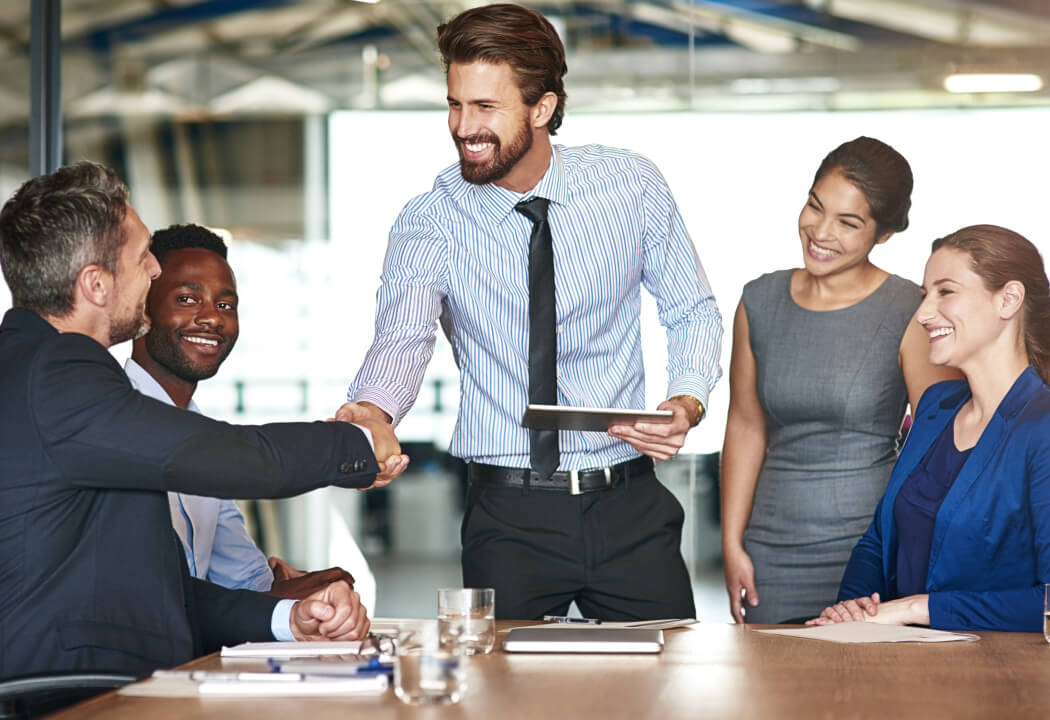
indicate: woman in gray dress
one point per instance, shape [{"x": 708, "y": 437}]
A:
[{"x": 825, "y": 361}]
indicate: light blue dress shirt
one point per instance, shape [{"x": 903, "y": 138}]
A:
[
  {"x": 214, "y": 537},
  {"x": 459, "y": 253}
]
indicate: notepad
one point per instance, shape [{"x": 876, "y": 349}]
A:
[
  {"x": 207, "y": 683},
  {"x": 315, "y": 648},
  {"x": 584, "y": 639}
]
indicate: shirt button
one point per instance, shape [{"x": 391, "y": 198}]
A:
[
  {"x": 557, "y": 372},
  {"x": 559, "y": 329}
]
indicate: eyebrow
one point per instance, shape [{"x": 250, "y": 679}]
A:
[
  {"x": 935, "y": 283},
  {"x": 816, "y": 199}
]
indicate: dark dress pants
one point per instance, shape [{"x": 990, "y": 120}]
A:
[{"x": 615, "y": 552}]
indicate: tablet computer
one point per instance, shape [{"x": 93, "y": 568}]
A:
[
  {"x": 567, "y": 417},
  {"x": 544, "y": 639}
]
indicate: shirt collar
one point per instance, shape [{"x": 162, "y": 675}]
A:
[
  {"x": 496, "y": 203},
  {"x": 148, "y": 386}
]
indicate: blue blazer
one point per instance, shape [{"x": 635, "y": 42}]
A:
[{"x": 990, "y": 554}]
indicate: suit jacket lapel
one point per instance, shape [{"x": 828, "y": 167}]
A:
[
  {"x": 924, "y": 432},
  {"x": 989, "y": 443}
]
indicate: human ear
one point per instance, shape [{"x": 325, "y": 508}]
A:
[
  {"x": 94, "y": 283},
  {"x": 1011, "y": 299},
  {"x": 544, "y": 109}
]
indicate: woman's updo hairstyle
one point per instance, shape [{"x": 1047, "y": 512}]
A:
[{"x": 878, "y": 171}]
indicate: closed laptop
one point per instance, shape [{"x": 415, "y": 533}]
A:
[{"x": 545, "y": 639}]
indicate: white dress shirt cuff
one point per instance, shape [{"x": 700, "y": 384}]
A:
[
  {"x": 281, "y": 621},
  {"x": 368, "y": 436}
]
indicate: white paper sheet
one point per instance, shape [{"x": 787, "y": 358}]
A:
[
  {"x": 664, "y": 624},
  {"x": 196, "y": 683},
  {"x": 869, "y": 632}
]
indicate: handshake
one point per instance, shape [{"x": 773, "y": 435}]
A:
[{"x": 387, "y": 449}]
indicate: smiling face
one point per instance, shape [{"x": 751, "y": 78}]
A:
[
  {"x": 193, "y": 310},
  {"x": 835, "y": 226},
  {"x": 958, "y": 312},
  {"x": 136, "y": 268},
  {"x": 489, "y": 122}
]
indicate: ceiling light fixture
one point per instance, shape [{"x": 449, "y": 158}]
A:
[{"x": 992, "y": 82}]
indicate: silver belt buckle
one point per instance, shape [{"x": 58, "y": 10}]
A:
[{"x": 574, "y": 482}]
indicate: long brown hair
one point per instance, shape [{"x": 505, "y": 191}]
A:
[
  {"x": 997, "y": 256},
  {"x": 515, "y": 35}
]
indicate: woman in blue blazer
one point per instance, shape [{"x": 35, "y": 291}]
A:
[{"x": 961, "y": 539}]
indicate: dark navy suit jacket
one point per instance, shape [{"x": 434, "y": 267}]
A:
[
  {"x": 91, "y": 572},
  {"x": 991, "y": 539}
]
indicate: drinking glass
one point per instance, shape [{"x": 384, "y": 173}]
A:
[
  {"x": 1046, "y": 612},
  {"x": 466, "y": 618},
  {"x": 427, "y": 672}
]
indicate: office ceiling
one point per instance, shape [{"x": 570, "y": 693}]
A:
[{"x": 208, "y": 58}]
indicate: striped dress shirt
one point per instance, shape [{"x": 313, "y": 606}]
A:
[{"x": 458, "y": 255}]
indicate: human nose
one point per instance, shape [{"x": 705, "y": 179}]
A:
[
  {"x": 462, "y": 122},
  {"x": 153, "y": 267},
  {"x": 925, "y": 312},
  {"x": 208, "y": 315}
]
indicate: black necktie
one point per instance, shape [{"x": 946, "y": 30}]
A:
[{"x": 543, "y": 382}]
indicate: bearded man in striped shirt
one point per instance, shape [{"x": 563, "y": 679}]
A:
[{"x": 533, "y": 257}]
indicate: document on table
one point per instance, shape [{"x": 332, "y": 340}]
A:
[
  {"x": 868, "y": 632},
  {"x": 204, "y": 683},
  {"x": 664, "y": 624},
  {"x": 291, "y": 649}
]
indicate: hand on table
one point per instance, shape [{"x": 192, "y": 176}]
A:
[
  {"x": 387, "y": 449},
  {"x": 856, "y": 610},
  {"x": 660, "y": 441},
  {"x": 740, "y": 582},
  {"x": 334, "y": 612}
]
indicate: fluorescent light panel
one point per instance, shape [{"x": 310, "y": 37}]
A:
[{"x": 993, "y": 82}]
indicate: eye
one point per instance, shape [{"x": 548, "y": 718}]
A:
[
  {"x": 227, "y": 306},
  {"x": 453, "y": 105},
  {"x": 811, "y": 206},
  {"x": 852, "y": 226},
  {"x": 186, "y": 300},
  {"x": 944, "y": 291}
]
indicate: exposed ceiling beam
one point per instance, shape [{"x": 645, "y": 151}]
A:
[
  {"x": 757, "y": 31},
  {"x": 957, "y": 23}
]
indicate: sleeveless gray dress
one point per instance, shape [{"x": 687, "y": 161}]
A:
[{"x": 834, "y": 397}]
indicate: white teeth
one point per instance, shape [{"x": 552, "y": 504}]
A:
[
  {"x": 821, "y": 251},
  {"x": 202, "y": 341},
  {"x": 477, "y": 148},
  {"x": 941, "y": 331}
]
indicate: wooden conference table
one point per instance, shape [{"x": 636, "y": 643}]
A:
[{"x": 707, "y": 671}]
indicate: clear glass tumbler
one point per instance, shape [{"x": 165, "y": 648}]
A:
[
  {"x": 466, "y": 618},
  {"x": 426, "y": 672}
]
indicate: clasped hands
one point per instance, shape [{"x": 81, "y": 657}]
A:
[
  {"x": 660, "y": 441},
  {"x": 334, "y": 612},
  {"x": 387, "y": 449},
  {"x": 911, "y": 610}
]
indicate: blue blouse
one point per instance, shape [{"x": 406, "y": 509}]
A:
[{"x": 916, "y": 508}]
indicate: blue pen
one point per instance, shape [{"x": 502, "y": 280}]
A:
[
  {"x": 565, "y": 619},
  {"x": 371, "y": 668}
]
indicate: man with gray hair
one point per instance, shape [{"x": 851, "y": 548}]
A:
[{"x": 92, "y": 575}]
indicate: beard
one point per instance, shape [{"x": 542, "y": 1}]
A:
[
  {"x": 164, "y": 347},
  {"x": 502, "y": 160},
  {"x": 134, "y": 326}
]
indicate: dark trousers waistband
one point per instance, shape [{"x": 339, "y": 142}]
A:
[{"x": 575, "y": 482}]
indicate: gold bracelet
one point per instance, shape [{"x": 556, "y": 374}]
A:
[{"x": 699, "y": 408}]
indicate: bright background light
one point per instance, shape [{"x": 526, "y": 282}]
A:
[{"x": 740, "y": 181}]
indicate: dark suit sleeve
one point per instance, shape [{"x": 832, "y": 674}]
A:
[
  {"x": 100, "y": 432},
  {"x": 228, "y": 617}
]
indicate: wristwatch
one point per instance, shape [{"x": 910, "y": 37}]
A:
[{"x": 699, "y": 408}]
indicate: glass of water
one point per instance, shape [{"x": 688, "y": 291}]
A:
[
  {"x": 1046, "y": 612},
  {"x": 466, "y": 618},
  {"x": 427, "y": 672}
]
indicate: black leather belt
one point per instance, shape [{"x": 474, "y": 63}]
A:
[{"x": 575, "y": 482}]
